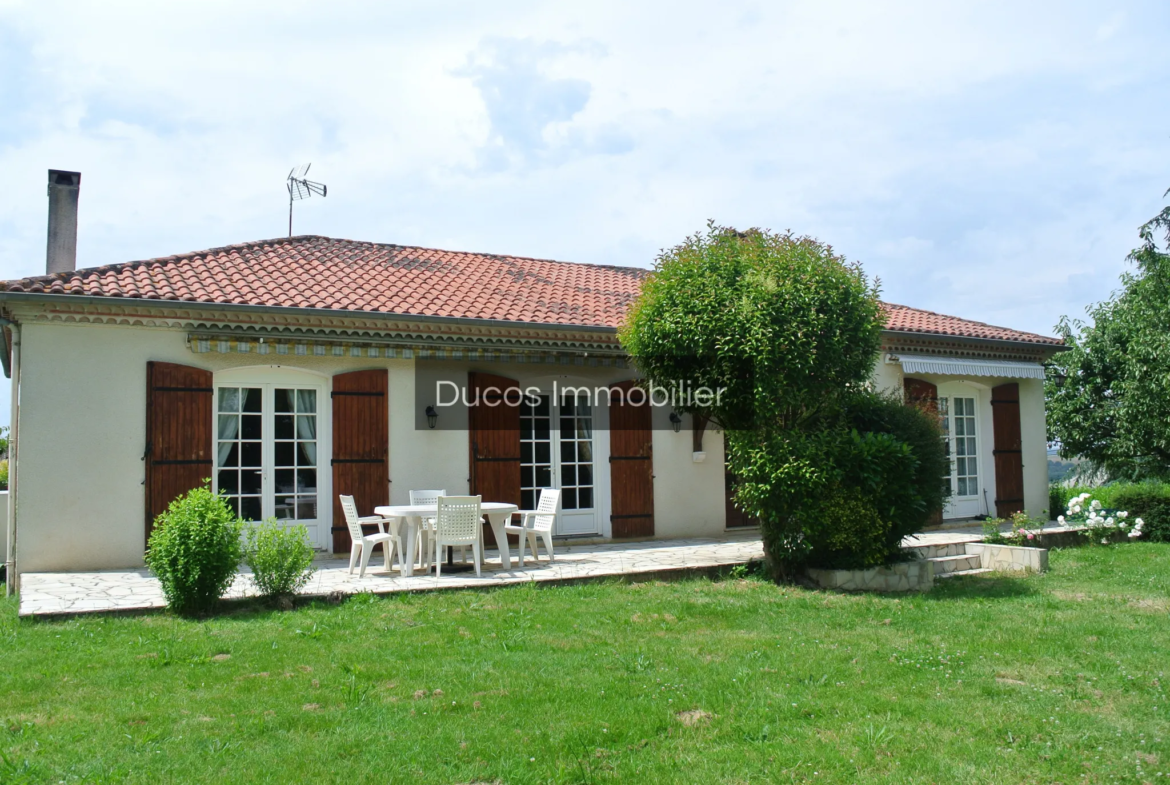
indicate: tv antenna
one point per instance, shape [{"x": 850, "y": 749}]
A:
[{"x": 300, "y": 188}]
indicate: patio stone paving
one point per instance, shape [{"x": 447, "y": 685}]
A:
[{"x": 58, "y": 593}]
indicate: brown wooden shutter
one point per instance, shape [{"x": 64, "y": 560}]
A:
[
  {"x": 924, "y": 395},
  {"x": 921, "y": 393},
  {"x": 1009, "y": 457},
  {"x": 736, "y": 518},
  {"x": 179, "y": 428},
  {"x": 361, "y": 446},
  {"x": 494, "y": 440},
  {"x": 631, "y": 465}
]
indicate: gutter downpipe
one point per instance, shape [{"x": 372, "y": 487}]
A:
[{"x": 11, "y": 584}]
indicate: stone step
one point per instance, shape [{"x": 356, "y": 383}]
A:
[
  {"x": 934, "y": 551},
  {"x": 957, "y": 573},
  {"x": 948, "y": 564}
]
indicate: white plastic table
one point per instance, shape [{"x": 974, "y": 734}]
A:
[{"x": 498, "y": 514}]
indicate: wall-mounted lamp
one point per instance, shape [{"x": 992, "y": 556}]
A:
[
  {"x": 432, "y": 417},
  {"x": 675, "y": 422}
]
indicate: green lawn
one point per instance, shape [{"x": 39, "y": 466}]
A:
[{"x": 1052, "y": 678}]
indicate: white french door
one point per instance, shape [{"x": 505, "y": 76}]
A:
[
  {"x": 268, "y": 455},
  {"x": 959, "y": 420},
  {"x": 557, "y": 451}
]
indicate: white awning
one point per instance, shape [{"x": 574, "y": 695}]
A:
[{"x": 958, "y": 366}]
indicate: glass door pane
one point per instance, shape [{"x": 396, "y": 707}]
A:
[
  {"x": 240, "y": 449},
  {"x": 295, "y": 454},
  {"x": 535, "y": 449},
  {"x": 576, "y": 440},
  {"x": 966, "y": 460}
]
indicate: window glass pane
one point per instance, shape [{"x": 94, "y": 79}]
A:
[
  {"x": 306, "y": 426},
  {"x": 584, "y": 498},
  {"x": 251, "y": 426},
  {"x": 962, "y": 486},
  {"x": 541, "y": 427},
  {"x": 566, "y": 427},
  {"x": 525, "y": 452},
  {"x": 526, "y": 497},
  {"x": 569, "y": 499},
  {"x": 229, "y": 482},
  {"x": 252, "y": 399},
  {"x": 959, "y": 422},
  {"x": 960, "y": 446},
  {"x": 585, "y": 475},
  {"x": 585, "y": 452},
  {"x": 543, "y": 407},
  {"x": 229, "y": 399},
  {"x": 306, "y": 507},
  {"x": 306, "y": 480},
  {"x": 285, "y": 480},
  {"x": 584, "y": 428},
  {"x": 250, "y": 454},
  {"x": 306, "y": 401},
  {"x": 229, "y": 454},
  {"x": 569, "y": 475},
  {"x": 284, "y": 454},
  {"x": 284, "y": 400},
  {"x": 229, "y": 426},
  {"x": 568, "y": 451},
  {"x": 543, "y": 476},
  {"x": 250, "y": 508},
  {"x": 285, "y": 507},
  {"x": 250, "y": 481},
  {"x": 543, "y": 452},
  {"x": 567, "y": 405},
  {"x": 284, "y": 426},
  {"x": 527, "y": 473},
  {"x": 971, "y": 448},
  {"x": 306, "y": 453},
  {"x": 234, "y": 503}
]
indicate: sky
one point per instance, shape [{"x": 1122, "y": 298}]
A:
[{"x": 988, "y": 160}]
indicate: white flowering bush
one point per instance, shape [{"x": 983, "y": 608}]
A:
[{"x": 1100, "y": 523}]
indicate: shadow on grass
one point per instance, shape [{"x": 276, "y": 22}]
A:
[{"x": 989, "y": 586}]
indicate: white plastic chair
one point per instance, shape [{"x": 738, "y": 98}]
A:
[
  {"x": 427, "y": 523},
  {"x": 364, "y": 543},
  {"x": 539, "y": 521},
  {"x": 459, "y": 523}
]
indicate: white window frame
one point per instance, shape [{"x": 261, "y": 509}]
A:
[{"x": 269, "y": 378}]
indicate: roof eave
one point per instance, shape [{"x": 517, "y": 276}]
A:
[
  {"x": 1001, "y": 343},
  {"x": 37, "y": 297}
]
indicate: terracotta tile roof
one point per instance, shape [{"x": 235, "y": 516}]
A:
[
  {"x": 346, "y": 275},
  {"x": 900, "y": 318}
]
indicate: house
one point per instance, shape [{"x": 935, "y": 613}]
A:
[{"x": 289, "y": 371}]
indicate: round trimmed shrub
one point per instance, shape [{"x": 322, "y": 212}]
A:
[
  {"x": 195, "y": 550},
  {"x": 280, "y": 556}
]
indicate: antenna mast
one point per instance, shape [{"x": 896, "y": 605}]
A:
[{"x": 300, "y": 188}]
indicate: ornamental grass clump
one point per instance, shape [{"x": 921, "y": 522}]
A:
[
  {"x": 1099, "y": 522},
  {"x": 280, "y": 556},
  {"x": 195, "y": 550}
]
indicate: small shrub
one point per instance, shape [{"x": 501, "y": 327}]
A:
[
  {"x": 195, "y": 551},
  {"x": 280, "y": 556},
  {"x": 1020, "y": 533}
]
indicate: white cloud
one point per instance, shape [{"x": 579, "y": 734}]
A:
[{"x": 987, "y": 159}]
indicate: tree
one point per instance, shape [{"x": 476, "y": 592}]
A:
[
  {"x": 788, "y": 332},
  {"x": 1108, "y": 395}
]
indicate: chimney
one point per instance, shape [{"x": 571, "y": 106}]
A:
[{"x": 61, "y": 254}]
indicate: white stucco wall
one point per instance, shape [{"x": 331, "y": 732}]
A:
[{"x": 82, "y": 435}]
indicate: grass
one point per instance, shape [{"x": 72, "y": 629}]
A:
[{"x": 1042, "y": 678}]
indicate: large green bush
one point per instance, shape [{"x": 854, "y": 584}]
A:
[
  {"x": 195, "y": 550},
  {"x": 788, "y": 331},
  {"x": 1149, "y": 501},
  {"x": 280, "y": 556}
]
